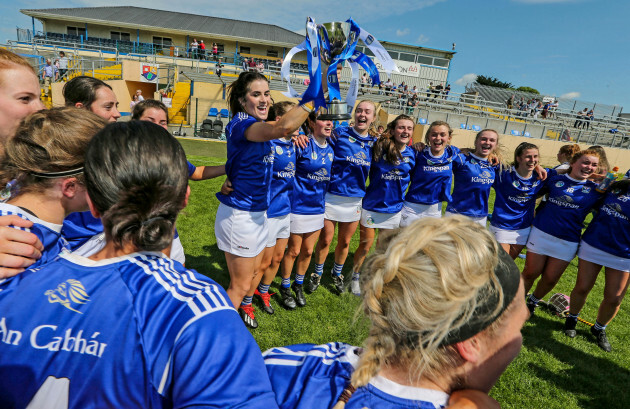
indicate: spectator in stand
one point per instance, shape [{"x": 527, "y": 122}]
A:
[
  {"x": 218, "y": 68},
  {"x": 245, "y": 64},
  {"x": 553, "y": 108},
  {"x": 588, "y": 118},
  {"x": 202, "y": 50},
  {"x": 252, "y": 65},
  {"x": 133, "y": 102},
  {"x": 447, "y": 90},
  {"x": 63, "y": 64},
  {"x": 545, "y": 110},
  {"x": 430, "y": 90},
  {"x": 215, "y": 51},
  {"x": 260, "y": 67},
  {"x": 579, "y": 121},
  {"x": 49, "y": 75},
  {"x": 414, "y": 91},
  {"x": 139, "y": 95},
  {"x": 438, "y": 90},
  {"x": 194, "y": 47},
  {"x": 510, "y": 102}
]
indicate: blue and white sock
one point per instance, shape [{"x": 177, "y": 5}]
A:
[
  {"x": 299, "y": 279},
  {"x": 286, "y": 282},
  {"x": 598, "y": 326},
  {"x": 533, "y": 299},
  {"x": 355, "y": 275},
  {"x": 337, "y": 269},
  {"x": 573, "y": 317},
  {"x": 319, "y": 269},
  {"x": 247, "y": 300},
  {"x": 263, "y": 288}
]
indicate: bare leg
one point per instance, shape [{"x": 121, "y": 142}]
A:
[
  {"x": 295, "y": 242},
  {"x": 242, "y": 272},
  {"x": 325, "y": 238},
  {"x": 586, "y": 277},
  {"x": 365, "y": 244},
  {"x": 550, "y": 276},
  {"x": 534, "y": 265},
  {"x": 306, "y": 251},
  {"x": 276, "y": 259},
  {"x": 614, "y": 291},
  {"x": 344, "y": 235}
]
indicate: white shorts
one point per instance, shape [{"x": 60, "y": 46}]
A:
[
  {"x": 597, "y": 256},
  {"x": 306, "y": 223},
  {"x": 240, "y": 232},
  {"x": 342, "y": 209},
  {"x": 278, "y": 229},
  {"x": 510, "y": 236},
  {"x": 481, "y": 220},
  {"x": 415, "y": 211},
  {"x": 545, "y": 244},
  {"x": 375, "y": 220}
]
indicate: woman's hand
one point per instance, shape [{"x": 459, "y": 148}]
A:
[
  {"x": 300, "y": 140},
  {"x": 18, "y": 248},
  {"x": 226, "y": 188},
  {"x": 541, "y": 172}
]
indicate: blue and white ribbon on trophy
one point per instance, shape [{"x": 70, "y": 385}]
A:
[{"x": 312, "y": 45}]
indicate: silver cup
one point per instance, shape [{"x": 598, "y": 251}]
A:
[{"x": 338, "y": 34}]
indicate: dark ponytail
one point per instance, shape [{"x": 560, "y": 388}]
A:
[{"x": 136, "y": 177}]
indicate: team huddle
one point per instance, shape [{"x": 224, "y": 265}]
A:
[{"x": 108, "y": 316}]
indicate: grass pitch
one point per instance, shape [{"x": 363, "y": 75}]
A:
[{"x": 552, "y": 371}]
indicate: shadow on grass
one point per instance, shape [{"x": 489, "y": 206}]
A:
[
  {"x": 211, "y": 264},
  {"x": 591, "y": 375}
]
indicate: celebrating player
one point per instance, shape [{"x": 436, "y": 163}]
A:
[
  {"x": 241, "y": 224},
  {"x": 431, "y": 177},
  {"x": 555, "y": 235},
  {"x": 351, "y": 166},
  {"x": 516, "y": 191},
  {"x": 128, "y": 326},
  {"x": 392, "y": 161},
  {"x": 312, "y": 176},
  {"x": 474, "y": 176},
  {"x": 605, "y": 243},
  {"x": 446, "y": 306}
]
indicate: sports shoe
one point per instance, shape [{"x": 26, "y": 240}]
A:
[
  {"x": 338, "y": 282},
  {"x": 531, "y": 307},
  {"x": 247, "y": 315},
  {"x": 355, "y": 288},
  {"x": 569, "y": 327},
  {"x": 313, "y": 283},
  {"x": 265, "y": 301},
  {"x": 287, "y": 298},
  {"x": 602, "y": 339},
  {"x": 299, "y": 294}
]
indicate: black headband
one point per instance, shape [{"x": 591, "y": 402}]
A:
[
  {"x": 53, "y": 175},
  {"x": 509, "y": 278}
]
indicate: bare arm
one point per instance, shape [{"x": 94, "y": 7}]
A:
[
  {"x": 18, "y": 249},
  {"x": 207, "y": 172},
  {"x": 284, "y": 128},
  {"x": 472, "y": 399}
]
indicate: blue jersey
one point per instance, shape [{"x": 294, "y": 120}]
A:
[
  {"x": 314, "y": 376},
  {"x": 566, "y": 208},
  {"x": 78, "y": 227},
  {"x": 281, "y": 188},
  {"x": 609, "y": 230},
  {"x": 48, "y": 233},
  {"x": 133, "y": 331},
  {"x": 249, "y": 167},
  {"x": 351, "y": 166},
  {"x": 191, "y": 169},
  {"x": 431, "y": 177},
  {"x": 388, "y": 183},
  {"x": 312, "y": 176},
  {"x": 473, "y": 179},
  {"x": 515, "y": 200}
]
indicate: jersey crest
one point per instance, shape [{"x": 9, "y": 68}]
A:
[{"x": 69, "y": 293}]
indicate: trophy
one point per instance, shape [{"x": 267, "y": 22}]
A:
[
  {"x": 334, "y": 37},
  {"x": 327, "y": 45}
]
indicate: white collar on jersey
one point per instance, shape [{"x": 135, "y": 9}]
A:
[
  {"x": 86, "y": 262},
  {"x": 519, "y": 176},
  {"x": 436, "y": 397},
  {"x": 26, "y": 215}
]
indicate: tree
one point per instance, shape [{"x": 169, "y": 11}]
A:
[
  {"x": 492, "y": 82},
  {"x": 528, "y": 89}
]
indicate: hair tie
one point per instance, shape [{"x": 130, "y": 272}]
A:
[{"x": 152, "y": 219}]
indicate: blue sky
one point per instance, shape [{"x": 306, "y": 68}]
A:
[{"x": 574, "y": 48}]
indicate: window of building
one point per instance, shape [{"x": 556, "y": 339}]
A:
[
  {"x": 423, "y": 59},
  {"x": 369, "y": 52},
  {"x": 393, "y": 54},
  {"x": 220, "y": 48},
  {"x": 272, "y": 53},
  {"x": 440, "y": 62},
  {"x": 163, "y": 41},
  {"x": 245, "y": 50},
  {"x": 407, "y": 57},
  {"x": 119, "y": 36},
  {"x": 76, "y": 31}
]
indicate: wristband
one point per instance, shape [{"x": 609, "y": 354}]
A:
[{"x": 308, "y": 107}]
